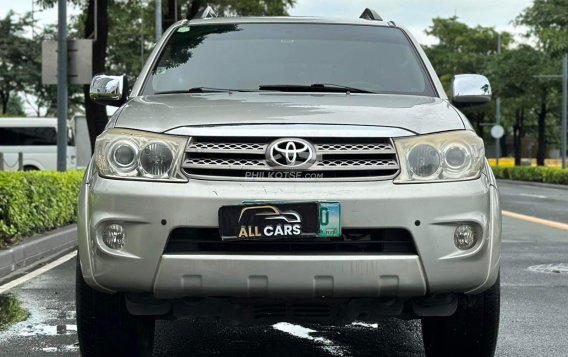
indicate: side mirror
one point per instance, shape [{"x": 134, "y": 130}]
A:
[
  {"x": 469, "y": 90},
  {"x": 109, "y": 90}
]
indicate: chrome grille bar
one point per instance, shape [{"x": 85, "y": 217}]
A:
[
  {"x": 325, "y": 165},
  {"x": 228, "y": 164},
  {"x": 221, "y": 148},
  {"x": 244, "y": 158},
  {"x": 381, "y": 148}
]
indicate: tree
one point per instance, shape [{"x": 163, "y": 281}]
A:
[
  {"x": 547, "y": 20},
  {"x": 15, "y": 107},
  {"x": 460, "y": 48},
  {"x": 512, "y": 74},
  {"x": 131, "y": 36},
  {"x": 16, "y": 63}
]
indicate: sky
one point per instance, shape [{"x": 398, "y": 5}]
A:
[{"x": 414, "y": 14}]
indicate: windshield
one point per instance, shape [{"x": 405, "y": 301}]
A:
[{"x": 251, "y": 56}]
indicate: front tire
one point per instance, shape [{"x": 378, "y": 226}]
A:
[
  {"x": 106, "y": 328},
  {"x": 471, "y": 331}
]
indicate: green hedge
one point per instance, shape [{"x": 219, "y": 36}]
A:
[
  {"x": 34, "y": 202},
  {"x": 532, "y": 174}
]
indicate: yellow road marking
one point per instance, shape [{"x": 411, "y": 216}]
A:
[{"x": 531, "y": 219}]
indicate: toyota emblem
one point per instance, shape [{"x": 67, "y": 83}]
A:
[{"x": 291, "y": 154}]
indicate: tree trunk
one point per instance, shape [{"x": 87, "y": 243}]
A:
[
  {"x": 96, "y": 114},
  {"x": 5, "y": 98},
  {"x": 541, "y": 153},
  {"x": 194, "y": 6},
  {"x": 480, "y": 118},
  {"x": 503, "y": 150},
  {"x": 518, "y": 135},
  {"x": 171, "y": 15}
]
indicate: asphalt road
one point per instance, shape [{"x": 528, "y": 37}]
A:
[
  {"x": 539, "y": 201},
  {"x": 534, "y": 306}
]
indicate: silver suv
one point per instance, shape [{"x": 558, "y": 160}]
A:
[{"x": 289, "y": 169}]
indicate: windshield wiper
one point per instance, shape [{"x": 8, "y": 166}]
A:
[
  {"x": 317, "y": 87},
  {"x": 201, "y": 90}
]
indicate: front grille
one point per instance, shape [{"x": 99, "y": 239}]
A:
[
  {"x": 240, "y": 158},
  {"x": 353, "y": 241}
]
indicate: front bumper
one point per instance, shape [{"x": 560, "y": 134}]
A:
[
  {"x": 289, "y": 276},
  {"x": 150, "y": 211}
]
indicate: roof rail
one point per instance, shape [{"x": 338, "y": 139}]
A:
[
  {"x": 370, "y": 14},
  {"x": 205, "y": 13}
]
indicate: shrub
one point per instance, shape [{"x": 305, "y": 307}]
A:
[
  {"x": 36, "y": 202},
  {"x": 533, "y": 174}
]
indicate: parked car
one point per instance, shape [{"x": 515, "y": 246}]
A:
[
  {"x": 289, "y": 169},
  {"x": 36, "y": 139}
]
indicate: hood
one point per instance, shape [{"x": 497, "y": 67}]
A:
[{"x": 420, "y": 115}]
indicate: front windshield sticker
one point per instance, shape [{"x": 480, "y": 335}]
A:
[
  {"x": 183, "y": 29},
  {"x": 160, "y": 70}
]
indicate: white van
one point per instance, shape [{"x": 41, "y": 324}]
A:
[{"x": 36, "y": 139}]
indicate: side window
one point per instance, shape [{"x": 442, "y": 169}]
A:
[{"x": 39, "y": 136}]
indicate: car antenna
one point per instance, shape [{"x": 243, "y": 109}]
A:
[{"x": 370, "y": 14}]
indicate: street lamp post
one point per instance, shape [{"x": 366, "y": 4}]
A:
[
  {"x": 498, "y": 111},
  {"x": 141, "y": 34},
  {"x": 158, "y": 20},
  {"x": 62, "y": 85},
  {"x": 564, "y": 107}
]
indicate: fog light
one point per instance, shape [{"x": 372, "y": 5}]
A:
[
  {"x": 464, "y": 237},
  {"x": 113, "y": 236}
]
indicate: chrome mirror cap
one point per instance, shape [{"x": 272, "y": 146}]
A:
[
  {"x": 470, "y": 90},
  {"x": 109, "y": 90}
]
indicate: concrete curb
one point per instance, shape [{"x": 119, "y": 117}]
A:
[
  {"x": 537, "y": 184},
  {"x": 36, "y": 248}
]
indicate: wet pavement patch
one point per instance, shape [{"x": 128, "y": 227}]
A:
[
  {"x": 47, "y": 330},
  {"x": 11, "y": 311},
  {"x": 305, "y": 333},
  {"x": 550, "y": 268},
  {"x": 62, "y": 349}
]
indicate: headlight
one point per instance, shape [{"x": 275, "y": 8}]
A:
[
  {"x": 156, "y": 159},
  {"x": 131, "y": 154},
  {"x": 451, "y": 156}
]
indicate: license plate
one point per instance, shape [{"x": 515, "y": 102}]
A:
[{"x": 266, "y": 221}]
